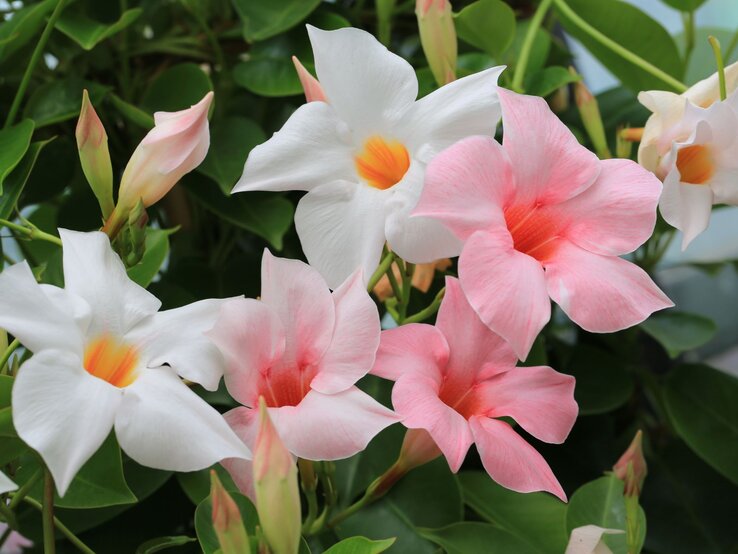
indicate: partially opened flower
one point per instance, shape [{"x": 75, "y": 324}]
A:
[
  {"x": 361, "y": 154},
  {"x": 104, "y": 358},
  {"x": 302, "y": 348},
  {"x": 541, "y": 217},
  {"x": 455, "y": 380}
]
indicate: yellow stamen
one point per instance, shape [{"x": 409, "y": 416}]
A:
[
  {"x": 382, "y": 164},
  {"x": 111, "y": 360},
  {"x": 695, "y": 164}
]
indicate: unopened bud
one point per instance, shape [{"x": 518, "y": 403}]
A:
[
  {"x": 623, "y": 146},
  {"x": 310, "y": 85},
  {"x": 92, "y": 143},
  {"x": 227, "y": 520},
  {"x": 438, "y": 38},
  {"x": 418, "y": 448},
  {"x": 631, "y": 467},
  {"x": 137, "y": 221},
  {"x": 589, "y": 111}
]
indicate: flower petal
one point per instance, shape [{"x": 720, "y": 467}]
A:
[
  {"x": 6, "y": 484},
  {"x": 245, "y": 423},
  {"x": 415, "y": 398},
  {"x": 369, "y": 86},
  {"x": 331, "y": 427},
  {"x": 467, "y": 185},
  {"x": 617, "y": 213},
  {"x": 62, "y": 412},
  {"x": 311, "y": 149},
  {"x": 33, "y": 317},
  {"x": 550, "y": 165},
  {"x": 506, "y": 288},
  {"x": 162, "y": 424},
  {"x": 510, "y": 460},
  {"x": 341, "y": 227},
  {"x": 94, "y": 272},
  {"x": 588, "y": 540},
  {"x": 539, "y": 399},
  {"x": 686, "y": 207},
  {"x": 413, "y": 347},
  {"x": 355, "y": 340},
  {"x": 601, "y": 294}
]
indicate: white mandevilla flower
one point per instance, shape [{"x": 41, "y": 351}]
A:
[
  {"x": 589, "y": 539},
  {"x": 104, "y": 357},
  {"x": 703, "y": 169},
  {"x": 361, "y": 154}
]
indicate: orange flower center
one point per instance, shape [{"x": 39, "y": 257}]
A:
[
  {"x": 695, "y": 164},
  {"x": 111, "y": 360},
  {"x": 533, "y": 230},
  {"x": 382, "y": 164}
]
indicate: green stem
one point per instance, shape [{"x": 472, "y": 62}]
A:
[
  {"x": 731, "y": 46},
  {"x": 4, "y": 537},
  {"x": 689, "y": 35},
  {"x": 308, "y": 482},
  {"x": 425, "y": 313},
  {"x": 6, "y": 355},
  {"x": 381, "y": 270},
  {"x": 8, "y": 515},
  {"x": 407, "y": 276},
  {"x": 35, "y": 57},
  {"x": 570, "y": 14},
  {"x": 525, "y": 50},
  {"x": 21, "y": 493},
  {"x": 715, "y": 43},
  {"x": 48, "y": 514},
  {"x": 31, "y": 232},
  {"x": 63, "y": 529},
  {"x": 393, "y": 281}
]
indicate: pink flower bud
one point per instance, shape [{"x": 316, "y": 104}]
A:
[
  {"x": 227, "y": 520},
  {"x": 311, "y": 86},
  {"x": 275, "y": 483},
  {"x": 438, "y": 37},
  {"x": 631, "y": 467},
  {"x": 418, "y": 448},
  {"x": 92, "y": 143}
]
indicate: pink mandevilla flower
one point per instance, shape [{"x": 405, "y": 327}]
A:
[
  {"x": 456, "y": 379},
  {"x": 302, "y": 348},
  {"x": 540, "y": 217}
]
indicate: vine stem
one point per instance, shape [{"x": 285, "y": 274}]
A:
[
  {"x": 527, "y": 47},
  {"x": 31, "y": 232},
  {"x": 48, "y": 514},
  {"x": 63, "y": 529},
  {"x": 37, "y": 52},
  {"x": 8, "y": 352},
  {"x": 425, "y": 313},
  {"x": 606, "y": 41},
  {"x": 381, "y": 270}
]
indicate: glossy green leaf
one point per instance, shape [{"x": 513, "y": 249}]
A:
[
  {"x": 537, "y": 519},
  {"x": 360, "y": 545},
  {"x": 25, "y": 24},
  {"x": 703, "y": 406},
  {"x": 176, "y": 88},
  {"x": 269, "y": 70},
  {"x": 679, "y": 332},
  {"x": 14, "y": 142},
  {"x": 6, "y": 388},
  {"x": 157, "y": 250},
  {"x": 603, "y": 383},
  {"x": 231, "y": 140},
  {"x": 701, "y": 62},
  {"x": 87, "y": 32},
  {"x": 538, "y": 52},
  {"x": 636, "y": 31},
  {"x": 685, "y": 5},
  {"x": 60, "y": 100},
  {"x": 18, "y": 178},
  {"x": 472, "y": 536},
  {"x": 196, "y": 484},
  {"x": 488, "y": 25},
  {"x": 548, "y": 80},
  {"x": 204, "y": 521},
  {"x": 262, "y": 20},
  {"x": 163, "y": 543}
]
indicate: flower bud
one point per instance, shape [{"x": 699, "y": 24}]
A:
[
  {"x": 227, "y": 520},
  {"x": 631, "y": 467},
  {"x": 418, "y": 448},
  {"x": 275, "y": 482},
  {"x": 589, "y": 111},
  {"x": 438, "y": 38},
  {"x": 311, "y": 86},
  {"x": 92, "y": 143}
]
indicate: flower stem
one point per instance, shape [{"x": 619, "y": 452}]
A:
[
  {"x": 715, "y": 43},
  {"x": 6, "y": 355},
  {"x": 31, "y": 233},
  {"x": 689, "y": 34},
  {"x": 527, "y": 47},
  {"x": 21, "y": 493},
  {"x": 425, "y": 313},
  {"x": 63, "y": 529},
  {"x": 607, "y": 42},
  {"x": 308, "y": 482},
  {"x": 381, "y": 270},
  {"x": 48, "y": 514},
  {"x": 35, "y": 57}
]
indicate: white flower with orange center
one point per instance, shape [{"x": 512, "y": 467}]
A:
[
  {"x": 703, "y": 168},
  {"x": 104, "y": 357},
  {"x": 361, "y": 151}
]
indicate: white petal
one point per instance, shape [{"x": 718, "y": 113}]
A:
[
  {"x": 686, "y": 207},
  {"x": 588, "y": 540},
  {"x": 33, "y": 317},
  {"x": 341, "y": 228},
  {"x": 6, "y": 484},
  {"x": 177, "y": 338},
  {"x": 163, "y": 424},
  {"x": 62, "y": 411},
  {"x": 94, "y": 272},
  {"x": 369, "y": 86},
  {"x": 313, "y": 147}
]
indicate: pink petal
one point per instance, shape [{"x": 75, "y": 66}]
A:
[
  {"x": 467, "y": 185},
  {"x": 415, "y": 398},
  {"x": 331, "y": 427},
  {"x": 510, "y": 460},
  {"x": 601, "y": 294},
  {"x": 355, "y": 340},
  {"x": 310, "y": 85},
  {"x": 505, "y": 287},
  {"x": 244, "y": 422},
  {"x": 617, "y": 213},
  {"x": 539, "y": 399},
  {"x": 550, "y": 165},
  {"x": 414, "y": 347}
]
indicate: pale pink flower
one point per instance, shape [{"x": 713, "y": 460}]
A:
[
  {"x": 455, "y": 381},
  {"x": 541, "y": 217},
  {"x": 302, "y": 348}
]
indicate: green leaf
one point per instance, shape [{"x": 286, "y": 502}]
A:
[
  {"x": 360, "y": 545},
  {"x": 269, "y": 70},
  {"x": 132, "y": 113},
  {"x": 157, "y": 250},
  {"x": 265, "y": 214},
  {"x": 162, "y": 543},
  {"x": 204, "y": 521},
  {"x": 472, "y": 536},
  {"x": 18, "y": 178},
  {"x": 537, "y": 519},
  {"x": 548, "y": 80},
  {"x": 196, "y": 484},
  {"x": 60, "y": 100},
  {"x": 87, "y": 32},
  {"x": 679, "y": 332},
  {"x": 538, "y": 52},
  {"x": 231, "y": 140},
  {"x": 488, "y": 25},
  {"x": 701, "y": 63},
  {"x": 262, "y": 20},
  {"x": 176, "y": 88},
  {"x": 23, "y": 27},
  {"x": 685, "y": 5},
  {"x": 6, "y": 388},
  {"x": 636, "y": 31},
  {"x": 703, "y": 406},
  {"x": 14, "y": 141}
]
